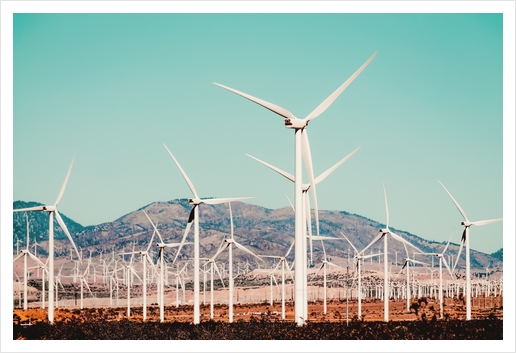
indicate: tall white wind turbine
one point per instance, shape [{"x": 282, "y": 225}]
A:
[
  {"x": 161, "y": 261},
  {"x": 302, "y": 152},
  {"x": 358, "y": 258},
  {"x": 465, "y": 239},
  {"x": 194, "y": 217},
  {"x": 52, "y": 210},
  {"x": 228, "y": 244},
  {"x": 282, "y": 261},
  {"x": 383, "y": 233},
  {"x": 441, "y": 260}
]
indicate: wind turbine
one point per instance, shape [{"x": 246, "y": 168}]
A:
[
  {"x": 306, "y": 187},
  {"x": 228, "y": 244},
  {"x": 465, "y": 239},
  {"x": 194, "y": 216},
  {"x": 24, "y": 253},
  {"x": 302, "y": 152},
  {"x": 441, "y": 260},
  {"x": 358, "y": 258},
  {"x": 282, "y": 262},
  {"x": 406, "y": 264},
  {"x": 145, "y": 259},
  {"x": 383, "y": 233},
  {"x": 52, "y": 209},
  {"x": 161, "y": 287}
]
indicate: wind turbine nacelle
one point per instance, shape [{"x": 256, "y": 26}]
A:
[
  {"x": 295, "y": 123},
  {"x": 194, "y": 201},
  {"x": 49, "y": 208},
  {"x": 465, "y": 224}
]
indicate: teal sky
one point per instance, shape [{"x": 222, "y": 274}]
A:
[{"x": 111, "y": 88}]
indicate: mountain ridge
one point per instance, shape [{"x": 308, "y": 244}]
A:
[{"x": 262, "y": 230}]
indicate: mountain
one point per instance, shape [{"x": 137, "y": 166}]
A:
[
  {"x": 498, "y": 255},
  {"x": 262, "y": 230}
]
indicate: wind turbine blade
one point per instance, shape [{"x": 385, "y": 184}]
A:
[
  {"x": 398, "y": 238},
  {"x": 356, "y": 251},
  {"x": 241, "y": 247},
  {"x": 150, "y": 242},
  {"x": 418, "y": 262},
  {"x": 175, "y": 245},
  {"x": 184, "y": 235},
  {"x": 224, "y": 246},
  {"x": 18, "y": 256},
  {"x": 364, "y": 257},
  {"x": 455, "y": 202},
  {"x": 330, "y": 170},
  {"x": 334, "y": 265},
  {"x": 87, "y": 286},
  {"x": 291, "y": 205},
  {"x": 289, "y": 249},
  {"x": 386, "y": 207},
  {"x": 63, "y": 226},
  {"x": 36, "y": 259},
  {"x": 64, "y": 184},
  {"x": 319, "y": 270},
  {"x": 220, "y": 276},
  {"x": 133, "y": 271},
  {"x": 481, "y": 223},
  {"x": 155, "y": 229},
  {"x": 446, "y": 264},
  {"x": 307, "y": 157},
  {"x": 272, "y": 107},
  {"x": 328, "y": 101},
  {"x": 378, "y": 237},
  {"x": 28, "y": 209},
  {"x": 460, "y": 249},
  {"x": 322, "y": 237},
  {"x": 447, "y": 244},
  {"x": 224, "y": 200},
  {"x": 277, "y": 170},
  {"x": 188, "y": 181}
]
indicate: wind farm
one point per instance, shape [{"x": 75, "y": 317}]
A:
[{"x": 165, "y": 219}]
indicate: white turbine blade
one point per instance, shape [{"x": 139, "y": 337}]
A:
[
  {"x": 175, "y": 245},
  {"x": 277, "y": 170},
  {"x": 447, "y": 244},
  {"x": 481, "y": 223},
  {"x": 455, "y": 202},
  {"x": 28, "y": 209},
  {"x": 418, "y": 262},
  {"x": 18, "y": 256},
  {"x": 334, "y": 265},
  {"x": 398, "y": 238},
  {"x": 271, "y": 256},
  {"x": 356, "y": 251},
  {"x": 272, "y": 107},
  {"x": 378, "y": 237},
  {"x": 224, "y": 200},
  {"x": 155, "y": 229},
  {"x": 370, "y": 255},
  {"x": 446, "y": 264},
  {"x": 307, "y": 157},
  {"x": 87, "y": 286},
  {"x": 241, "y": 247},
  {"x": 133, "y": 271},
  {"x": 291, "y": 205},
  {"x": 36, "y": 259},
  {"x": 63, "y": 226},
  {"x": 330, "y": 170},
  {"x": 188, "y": 181},
  {"x": 224, "y": 246},
  {"x": 464, "y": 234},
  {"x": 150, "y": 242},
  {"x": 220, "y": 276},
  {"x": 277, "y": 267},
  {"x": 289, "y": 249},
  {"x": 231, "y": 219},
  {"x": 328, "y": 101},
  {"x": 322, "y": 237},
  {"x": 319, "y": 270},
  {"x": 64, "y": 184},
  {"x": 386, "y": 207},
  {"x": 190, "y": 220}
]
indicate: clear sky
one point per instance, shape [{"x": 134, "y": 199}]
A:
[{"x": 112, "y": 88}]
